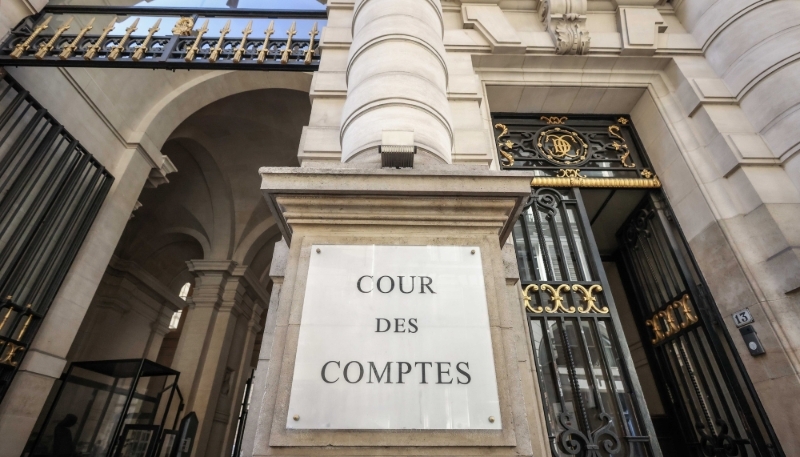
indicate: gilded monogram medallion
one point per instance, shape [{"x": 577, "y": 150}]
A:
[{"x": 562, "y": 146}]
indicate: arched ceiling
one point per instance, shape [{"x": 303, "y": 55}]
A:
[{"x": 214, "y": 200}]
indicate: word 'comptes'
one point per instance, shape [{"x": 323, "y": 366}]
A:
[{"x": 355, "y": 372}]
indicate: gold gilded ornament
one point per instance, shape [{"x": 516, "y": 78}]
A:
[{"x": 22, "y": 47}]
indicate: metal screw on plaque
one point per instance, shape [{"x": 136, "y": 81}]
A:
[
  {"x": 491, "y": 419},
  {"x": 473, "y": 251},
  {"x": 296, "y": 417},
  {"x": 318, "y": 250}
]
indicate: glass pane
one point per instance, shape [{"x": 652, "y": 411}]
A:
[
  {"x": 552, "y": 252},
  {"x": 603, "y": 388},
  {"x": 562, "y": 373},
  {"x": 544, "y": 366},
  {"x": 568, "y": 256},
  {"x": 582, "y": 251},
  {"x": 615, "y": 368},
  {"x": 524, "y": 263},
  {"x": 533, "y": 235},
  {"x": 210, "y": 4},
  {"x": 83, "y": 420}
]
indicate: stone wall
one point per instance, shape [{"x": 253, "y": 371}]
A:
[{"x": 709, "y": 85}]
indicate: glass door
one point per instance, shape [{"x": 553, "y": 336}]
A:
[{"x": 592, "y": 399}]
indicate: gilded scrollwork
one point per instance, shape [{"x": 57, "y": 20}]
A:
[
  {"x": 554, "y": 120},
  {"x": 504, "y": 145},
  {"x": 685, "y": 309},
  {"x": 562, "y": 146},
  {"x": 574, "y": 152},
  {"x": 664, "y": 323},
  {"x": 557, "y": 299},
  {"x": 613, "y": 130},
  {"x": 526, "y": 297},
  {"x": 589, "y": 300}
]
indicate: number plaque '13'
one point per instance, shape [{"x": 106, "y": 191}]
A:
[{"x": 675, "y": 317}]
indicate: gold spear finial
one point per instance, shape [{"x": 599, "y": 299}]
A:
[
  {"x": 67, "y": 51},
  {"x": 288, "y": 50},
  {"x": 22, "y": 47},
  {"x": 117, "y": 50},
  {"x": 5, "y": 318},
  {"x": 192, "y": 52},
  {"x": 93, "y": 49},
  {"x": 262, "y": 53},
  {"x": 310, "y": 50},
  {"x": 137, "y": 56},
  {"x": 45, "y": 49},
  {"x": 237, "y": 56},
  {"x": 216, "y": 50}
]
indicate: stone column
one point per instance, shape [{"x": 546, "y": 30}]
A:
[
  {"x": 254, "y": 423},
  {"x": 396, "y": 79},
  {"x": 213, "y": 342},
  {"x": 363, "y": 207}
]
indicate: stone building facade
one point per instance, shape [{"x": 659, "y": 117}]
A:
[{"x": 706, "y": 88}]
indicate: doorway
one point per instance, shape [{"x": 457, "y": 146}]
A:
[{"x": 631, "y": 356}]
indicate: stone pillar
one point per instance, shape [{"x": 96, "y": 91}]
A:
[
  {"x": 254, "y": 423},
  {"x": 360, "y": 208},
  {"x": 159, "y": 328},
  {"x": 396, "y": 79},
  {"x": 215, "y": 347}
]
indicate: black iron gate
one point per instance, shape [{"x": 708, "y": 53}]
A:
[
  {"x": 700, "y": 376},
  {"x": 50, "y": 191},
  {"x": 592, "y": 399}
]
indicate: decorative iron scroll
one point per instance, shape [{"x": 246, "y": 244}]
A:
[
  {"x": 580, "y": 151},
  {"x": 76, "y": 40}
]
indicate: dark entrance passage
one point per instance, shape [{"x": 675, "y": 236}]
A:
[{"x": 632, "y": 356}]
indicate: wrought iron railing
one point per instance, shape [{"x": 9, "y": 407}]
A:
[
  {"x": 167, "y": 38},
  {"x": 50, "y": 191}
]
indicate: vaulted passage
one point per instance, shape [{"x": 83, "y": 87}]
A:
[{"x": 188, "y": 286}]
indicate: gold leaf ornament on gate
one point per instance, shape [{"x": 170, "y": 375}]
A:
[
  {"x": 504, "y": 145},
  {"x": 664, "y": 323},
  {"x": 557, "y": 299},
  {"x": 562, "y": 146},
  {"x": 589, "y": 299},
  {"x": 526, "y": 297}
]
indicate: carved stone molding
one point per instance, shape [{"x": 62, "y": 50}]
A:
[
  {"x": 158, "y": 175},
  {"x": 566, "y": 22}
]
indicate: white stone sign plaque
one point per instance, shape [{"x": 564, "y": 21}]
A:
[{"x": 394, "y": 337}]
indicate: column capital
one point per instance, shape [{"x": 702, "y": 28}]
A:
[{"x": 201, "y": 267}]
